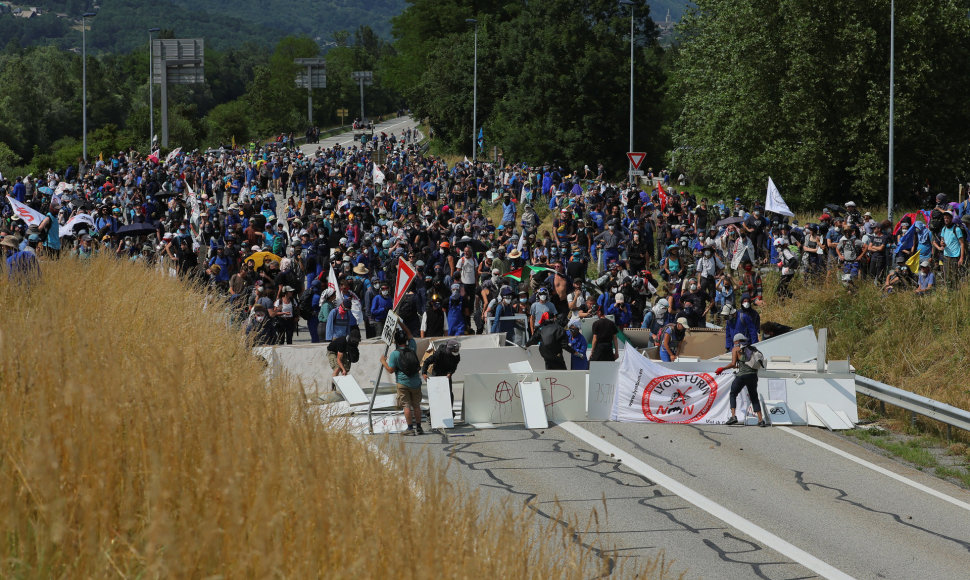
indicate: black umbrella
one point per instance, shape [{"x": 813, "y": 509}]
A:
[
  {"x": 477, "y": 245},
  {"x": 137, "y": 229},
  {"x": 730, "y": 221}
]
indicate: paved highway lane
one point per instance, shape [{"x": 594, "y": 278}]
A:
[
  {"x": 396, "y": 126},
  {"x": 783, "y": 507}
]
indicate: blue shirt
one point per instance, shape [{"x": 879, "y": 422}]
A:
[
  {"x": 339, "y": 324},
  {"x": 951, "y": 240}
]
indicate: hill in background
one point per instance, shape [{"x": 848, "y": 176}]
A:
[{"x": 121, "y": 25}]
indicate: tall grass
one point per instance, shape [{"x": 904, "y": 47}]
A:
[
  {"x": 139, "y": 438},
  {"x": 917, "y": 344}
]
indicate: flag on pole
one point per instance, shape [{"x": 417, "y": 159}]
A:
[
  {"x": 234, "y": 142},
  {"x": 521, "y": 242},
  {"x": 541, "y": 269},
  {"x": 663, "y": 197},
  {"x": 774, "y": 202},
  {"x": 81, "y": 218},
  {"x": 30, "y": 216},
  {"x": 515, "y": 275},
  {"x": 332, "y": 284},
  {"x": 913, "y": 262},
  {"x": 481, "y": 138},
  {"x": 378, "y": 175}
]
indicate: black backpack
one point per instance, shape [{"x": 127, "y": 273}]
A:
[
  {"x": 353, "y": 353},
  {"x": 407, "y": 362},
  {"x": 306, "y": 304}
]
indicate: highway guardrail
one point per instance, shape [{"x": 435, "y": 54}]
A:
[{"x": 916, "y": 404}]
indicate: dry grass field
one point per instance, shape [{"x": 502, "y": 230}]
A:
[{"x": 139, "y": 438}]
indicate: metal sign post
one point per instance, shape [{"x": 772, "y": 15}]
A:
[
  {"x": 177, "y": 61},
  {"x": 314, "y": 77},
  {"x": 363, "y": 77},
  {"x": 405, "y": 275}
]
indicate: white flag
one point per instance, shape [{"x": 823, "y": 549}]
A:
[
  {"x": 332, "y": 284},
  {"x": 81, "y": 218},
  {"x": 30, "y": 216},
  {"x": 172, "y": 155},
  {"x": 378, "y": 175},
  {"x": 774, "y": 202}
]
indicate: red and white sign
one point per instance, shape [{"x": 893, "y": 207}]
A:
[
  {"x": 647, "y": 392},
  {"x": 30, "y": 216},
  {"x": 636, "y": 158},
  {"x": 405, "y": 275}
]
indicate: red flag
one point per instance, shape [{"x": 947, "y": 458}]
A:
[
  {"x": 663, "y": 197},
  {"x": 515, "y": 275}
]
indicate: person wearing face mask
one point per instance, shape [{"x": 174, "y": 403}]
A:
[
  {"x": 340, "y": 320},
  {"x": 502, "y": 314},
  {"x": 541, "y": 306},
  {"x": 260, "y": 327},
  {"x": 750, "y": 281},
  {"x": 456, "y": 311},
  {"x": 747, "y": 321},
  {"x": 380, "y": 306},
  {"x": 433, "y": 318},
  {"x": 578, "y": 360},
  {"x": 621, "y": 311},
  {"x": 708, "y": 268},
  {"x": 610, "y": 242}
]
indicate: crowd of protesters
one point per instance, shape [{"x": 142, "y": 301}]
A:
[{"x": 271, "y": 226}]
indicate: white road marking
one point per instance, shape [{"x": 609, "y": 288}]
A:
[
  {"x": 715, "y": 509},
  {"x": 878, "y": 469}
]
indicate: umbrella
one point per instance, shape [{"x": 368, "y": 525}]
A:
[
  {"x": 46, "y": 190},
  {"x": 164, "y": 193},
  {"x": 260, "y": 257},
  {"x": 477, "y": 245},
  {"x": 136, "y": 229},
  {"x": 730, "y": 221}
]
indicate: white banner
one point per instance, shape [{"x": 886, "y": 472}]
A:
[
  {"x": 81, "y": 218},
  {"x": 379, "y": 176},
  {"x": 30, "y": 216},
  {"x": 774, "y": 202},
  {"x": 649, "y": 393},
  {"x": 333, "y": 285}
]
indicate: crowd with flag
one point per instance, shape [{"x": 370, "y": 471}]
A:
[{"x": 310, "y": 240}]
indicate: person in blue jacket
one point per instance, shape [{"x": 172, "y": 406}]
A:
[
  {"x": 578, "y": 360},
  {"x": 456, "y": 316},
  {"x": 746, "y": 321},
  {"x": 380, "y": 305}
]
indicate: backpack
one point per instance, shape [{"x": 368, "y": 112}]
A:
[
  {"x": 936, "y": 221},
  {"x": 408, "y": 309},
  {"x": 353, "y": 353},
  {"x": 306, "y": 304},
  {"x": 407, "y": 362}
]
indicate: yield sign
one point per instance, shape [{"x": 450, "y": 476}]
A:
[
  {"x": 405, "y": 275},
  {"x": 636, "y": 158}
]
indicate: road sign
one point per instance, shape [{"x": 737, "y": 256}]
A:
[
  {"x": 637, "y": 173},
  {"x": 405, "y": 275},
  {"x": 390, "y": 325},
  {"x": 636, "y": 159},
  {"x": 342, "y": 112}
]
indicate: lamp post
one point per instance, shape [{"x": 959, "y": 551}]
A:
[
  {"x": 474, "y": 93},
  {"x": 84, "y": 86},
  {"x": 631, "y": 5},
  {"x": 892, "y": 63},
  {"x": 151, "y": 89}
]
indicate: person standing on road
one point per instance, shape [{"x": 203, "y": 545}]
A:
[
  {"x": 605, "y": 343},
  {"x": 747, "y": 360},
  {"x": 552, "y": 340},
  {"x": 404, "y": 363}
]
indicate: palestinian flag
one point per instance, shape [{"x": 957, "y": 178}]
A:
[
  {"x": 515, "y": 275},
  {"x": 538, "y": 269}
]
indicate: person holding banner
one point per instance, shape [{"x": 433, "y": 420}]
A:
[{"x": 747, "y": 360}]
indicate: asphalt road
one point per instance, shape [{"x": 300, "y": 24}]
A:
[
  {"x": 396, "y": 126},
  {"x": 722, "y": 502}
]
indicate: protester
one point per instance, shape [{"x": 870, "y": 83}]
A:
[
  {"x": 342, "y": 352},
  {"x": 747, "y": 360},
  {"x": 403, "y": 362},
  {"x": 443, "y": 362}
]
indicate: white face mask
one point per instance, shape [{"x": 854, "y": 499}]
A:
[
  {"x": 745, "y": 305},
  {"x": 506, "y": 301},
  {"x": 385, "y": 293},
  {"x": 543, "y": 298},
  {"x": 260, "y": 318}
]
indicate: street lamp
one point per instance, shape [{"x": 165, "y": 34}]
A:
[
  {"x": 474, "y": 93},
  {"x": 631, "y": 5},
  {"x": 84, "y": 86},
  {"x": 151, "y": 89},
  {"x": 892, "y": 58}
]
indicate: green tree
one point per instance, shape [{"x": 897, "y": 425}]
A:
[{"x": 803, "y": 97}]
